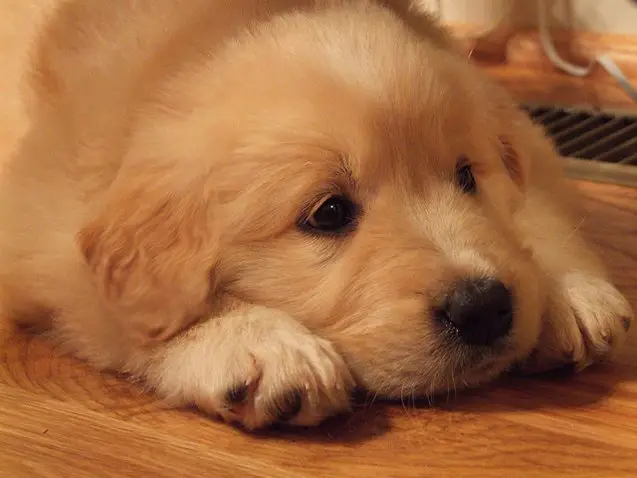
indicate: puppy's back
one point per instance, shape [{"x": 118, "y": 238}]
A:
[
  {"x": 94, "y": 47},
  {"x": 92, "y": 51}
]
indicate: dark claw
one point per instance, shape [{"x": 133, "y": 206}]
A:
[
  {"x": 569, "y": 356},
  {"x": 625, "y": 323},
  {"x": 286, "y": 407},
  {"x": 608, "y": 338},
  {"x": 238, "y": 394},
  {"x": 566, "y": 369}
]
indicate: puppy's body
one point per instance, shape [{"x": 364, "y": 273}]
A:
[{"x": 177, "y": 148}]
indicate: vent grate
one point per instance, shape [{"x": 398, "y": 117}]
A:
[{"x": 589, "y": 135}]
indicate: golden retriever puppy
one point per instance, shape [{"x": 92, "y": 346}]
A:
[{"x": 255, "y": 205}]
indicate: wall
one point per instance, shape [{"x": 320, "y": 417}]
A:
[{"x": 609, "y": 16}]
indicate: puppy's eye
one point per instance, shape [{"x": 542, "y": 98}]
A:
[
  {"x": 333, "y": 215},
  {"x": 464, "y": 177}
]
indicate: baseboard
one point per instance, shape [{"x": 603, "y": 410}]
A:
[
  {"x": 599, "y": 172},
  {"x": 515, "y": 58}
]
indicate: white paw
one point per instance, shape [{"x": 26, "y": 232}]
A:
[
  {"x": 586, "y": 321},
  {"x": 256, "y": 369}
]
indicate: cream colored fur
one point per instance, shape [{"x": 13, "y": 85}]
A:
[{"x": 149, "y": 220}]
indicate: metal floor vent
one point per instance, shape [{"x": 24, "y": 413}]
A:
[{"x": 597, "y": 145}]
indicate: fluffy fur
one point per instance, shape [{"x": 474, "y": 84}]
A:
[{"x": 150, "y": 219}]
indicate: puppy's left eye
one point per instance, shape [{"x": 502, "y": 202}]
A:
[
  {"x": 464, "y": 177},
  {"x": 334, "y": 215}
]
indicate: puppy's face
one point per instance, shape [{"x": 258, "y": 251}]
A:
[{"x": 365, "y": 184}]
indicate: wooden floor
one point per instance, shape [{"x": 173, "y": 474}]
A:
[{"x": 59, "y": 419}]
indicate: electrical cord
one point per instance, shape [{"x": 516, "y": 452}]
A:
[{"x": 604, "y": 60}]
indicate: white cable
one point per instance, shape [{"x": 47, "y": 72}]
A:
[
  {"x": 439, "y": 10},
  {"x": 604, "y": 60},
  {"x": 613, "y": 70}
]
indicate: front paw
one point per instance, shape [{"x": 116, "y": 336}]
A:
[
  {"x": 300, "y": 382},
  {"x": 256, "y": 369},
  {"x": 585, "y": 322}
]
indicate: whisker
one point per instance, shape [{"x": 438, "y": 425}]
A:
[
  {"x": 376, "y": 393},
  {"x": 402, "y": 401},
  {"x": 413, "y": 396}
]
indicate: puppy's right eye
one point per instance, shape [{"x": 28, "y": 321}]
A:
[
  {"x": 464, "y": 177},
  {"x": 334, "y": 215}
]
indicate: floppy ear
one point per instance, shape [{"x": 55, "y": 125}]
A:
[
  {"x": 515, "y": 161},
  {"x": 517, "y": 136},
  {"x": 150, "y": 251}
]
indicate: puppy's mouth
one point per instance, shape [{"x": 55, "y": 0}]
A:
[
  {"x": 475, "y": 364},
  {"x": 458, "y": 366},
  {"x": 461, "y": 367},
  {"x": 475, "y": 328}
]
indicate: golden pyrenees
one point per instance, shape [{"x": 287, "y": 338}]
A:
[{"x": 254, "y": 206}]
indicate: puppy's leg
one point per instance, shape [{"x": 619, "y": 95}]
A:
[
  {"x": 254, "y": 366},
  {"x": 586, "y": 317}
]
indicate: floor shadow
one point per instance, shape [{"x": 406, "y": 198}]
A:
[
  {"x": 556, "y": 390},
  {"x": 363, "y": 424},
  {"x": 559, "y": 389}
]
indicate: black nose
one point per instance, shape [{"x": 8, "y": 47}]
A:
[{"x": 480, "y": 310}]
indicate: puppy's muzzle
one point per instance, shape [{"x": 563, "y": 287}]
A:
[{"x": 478, "y": 310}]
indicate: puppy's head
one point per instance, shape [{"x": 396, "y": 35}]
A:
[{"x": 341, "y": 169}]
